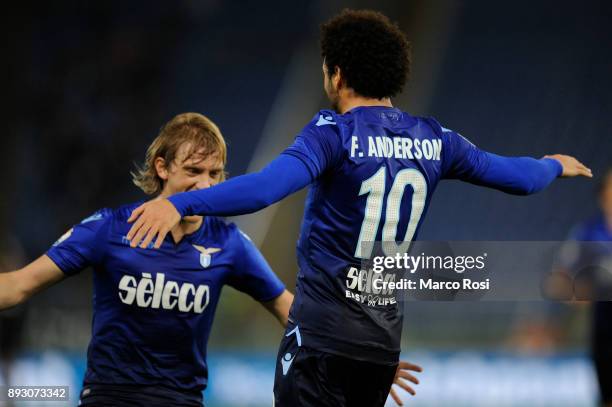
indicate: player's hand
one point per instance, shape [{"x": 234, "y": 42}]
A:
[
  {"x": 571, "y": 166},
  {"x": 153, "y": 218},
  {"x": 403, "y": 373}
]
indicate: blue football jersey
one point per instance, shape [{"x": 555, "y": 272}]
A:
[
  {"x": 153, "y": 309},
  {"x": 372, "y": 172},
  {"x": 375, "y": 170}
]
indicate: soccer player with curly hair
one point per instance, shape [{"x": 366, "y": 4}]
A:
[{"x": 372, "y": 170}]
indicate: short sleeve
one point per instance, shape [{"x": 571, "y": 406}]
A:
[
  {"x": 318, "y": 145},
  {"x": 81, "y": 246},
  {"x": 252, "y": 274}
]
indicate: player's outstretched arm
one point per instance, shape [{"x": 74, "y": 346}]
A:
[
  {"x": 514, "y": 175},
  {"x": 402, "y": 374},
  {"x": 526, "y": 175},
  {"x": 17, "y": 286},
  {"x": 238, "y": 196},
  {"x": 279, "y": 307}
]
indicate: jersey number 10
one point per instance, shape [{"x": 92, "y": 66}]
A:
[{"x": 374, "y": 187}]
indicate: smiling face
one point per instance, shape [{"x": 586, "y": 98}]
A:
[
  {"x": 188, "y": 154},
  {"x": 189, "y": 173}
]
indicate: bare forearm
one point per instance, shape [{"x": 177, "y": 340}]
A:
[
  {"x": 280, "y": 306},
  {"x": 11, "y": 293},
  {"x": 18, "y": 286}
]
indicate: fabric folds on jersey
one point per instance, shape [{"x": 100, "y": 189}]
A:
[
  {"x": 153, "y": 309},
  {"x": 347, "y": 158}
]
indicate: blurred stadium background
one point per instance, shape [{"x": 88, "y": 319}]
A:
[{"x": 88, "y": 84}]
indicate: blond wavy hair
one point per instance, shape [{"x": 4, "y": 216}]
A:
[{"x": 202, "y": 135}]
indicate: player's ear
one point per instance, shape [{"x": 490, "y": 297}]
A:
[
  {"x": 337, "y": 79},
  {"x": 160, "y": 168}
]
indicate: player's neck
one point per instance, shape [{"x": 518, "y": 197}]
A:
[
  {"x": 187, "y": 226},
  {"x": 349, "y": 100}
]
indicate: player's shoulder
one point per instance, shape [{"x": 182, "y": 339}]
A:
[
  {"x": 325, "y": 121},
  {"x": 323, "y": 129},
  {"x": 434, "y": 125},
  {"x": 99, "y": 216},
  {"x": 89, "y": 226},
  {"x": 447, "y": 135},
  {"x": 325, "y": 118},
  {"x": 123, "y": 212},
  {"x": 111, "y": 217}
]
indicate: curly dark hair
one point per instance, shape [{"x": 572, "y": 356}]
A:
[{"x": 372, "y": 52}]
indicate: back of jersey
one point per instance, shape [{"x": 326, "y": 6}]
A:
[{"x": 375, "y": 170}]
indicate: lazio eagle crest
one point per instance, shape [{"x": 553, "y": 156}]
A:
[{"x": 205, "y": 253}]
